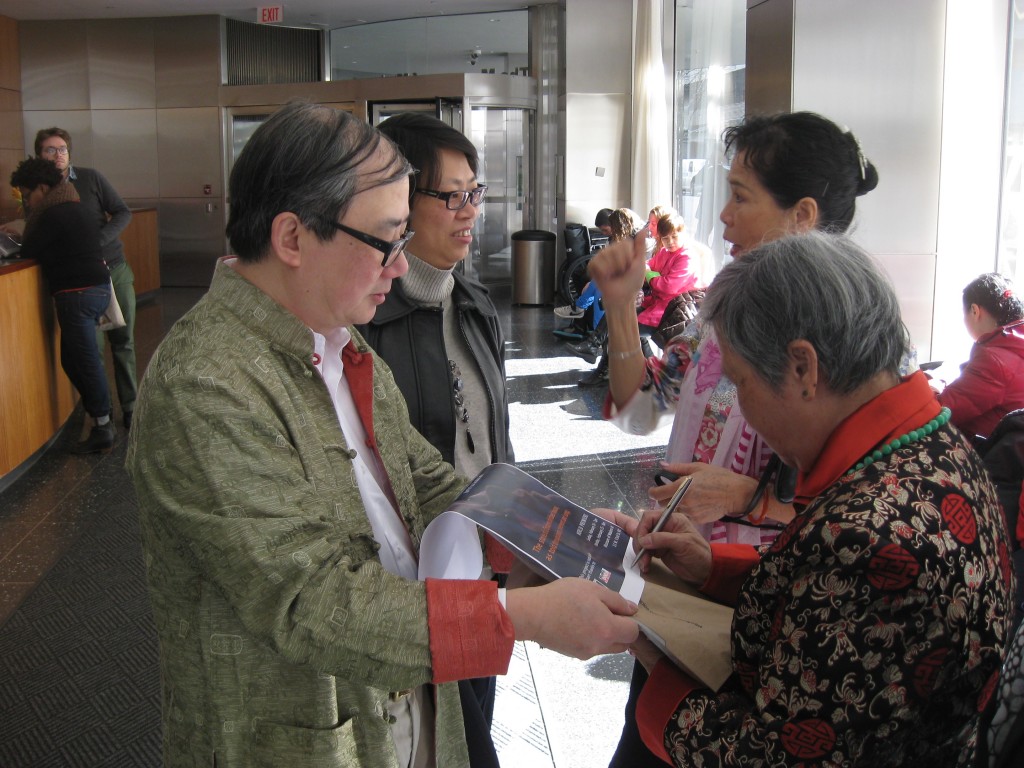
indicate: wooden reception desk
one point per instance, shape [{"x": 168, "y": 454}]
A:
[
  {"x": 36, "y": 397},
  {"x": 142, "y": 248}
]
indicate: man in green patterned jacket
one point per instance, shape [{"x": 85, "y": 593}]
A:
[{"x": 283, "y": 493}]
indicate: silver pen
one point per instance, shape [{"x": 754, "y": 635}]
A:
[{"x": 669, "y": 509}]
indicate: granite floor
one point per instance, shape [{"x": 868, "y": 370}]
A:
[{"x": 78, "y": 678}]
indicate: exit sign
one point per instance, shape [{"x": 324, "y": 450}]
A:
[{"x": 269, "y": 14}]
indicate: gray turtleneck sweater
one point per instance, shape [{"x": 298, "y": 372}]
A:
[{"x": 431, "y": 287}]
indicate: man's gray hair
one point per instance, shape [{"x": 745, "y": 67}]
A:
[
  {"x": 309, "y": 160},
  {"x": 818, "y": 287}
]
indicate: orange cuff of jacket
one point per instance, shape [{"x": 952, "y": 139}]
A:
[
  {"x": 470, "y": 633},
  {"x": 666, "y": 687},
  {"x": 730, "y": 566}
]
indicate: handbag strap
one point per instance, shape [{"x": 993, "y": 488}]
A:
[{"x": 785, "y": 484}]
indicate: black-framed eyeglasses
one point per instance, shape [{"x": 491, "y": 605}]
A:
[
  {"x": 51, "y": 151},
  {"x": 391, "y": 249},
  {"x": 456, "y": 201}
]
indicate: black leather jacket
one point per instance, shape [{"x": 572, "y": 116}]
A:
[{"x": 410, "y": 339}]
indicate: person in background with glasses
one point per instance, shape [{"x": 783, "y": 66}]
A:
[
  {"x": 283, "y": 493},
  {"x": 439, "y": 332},
  {"x": 102, "y": 203}
]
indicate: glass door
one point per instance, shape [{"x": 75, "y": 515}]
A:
[{"x": 502, "y": 137}]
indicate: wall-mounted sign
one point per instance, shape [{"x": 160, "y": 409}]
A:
[{"x": 270, "y": 14}]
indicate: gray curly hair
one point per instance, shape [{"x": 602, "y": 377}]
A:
[{"x": 819, "y": 287}]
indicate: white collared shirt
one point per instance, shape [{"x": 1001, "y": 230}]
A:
[{"x": 397, "y": 554}]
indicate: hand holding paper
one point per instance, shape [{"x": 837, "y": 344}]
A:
[
  {"x": 573, "y": 617},
  {"x": 646, "y": 652},
  {"x": 589, "y": 608}
]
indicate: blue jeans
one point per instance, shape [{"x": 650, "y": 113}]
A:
[
  {"x": 591, "y": 297},
  {"x": 77, "y": 313}
]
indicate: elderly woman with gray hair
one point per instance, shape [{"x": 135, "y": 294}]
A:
[{"x": 872, "y": 630}]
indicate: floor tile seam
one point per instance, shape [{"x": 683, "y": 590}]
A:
[
  {"x": 34, "y": 585},
  {"x": 624, "y": 494},
  {"x": 69, "y": 495},
  {"x": 11, "y": 583},
  {"x": 21, "y": 541},
  {"x": 540, "y": 705}
]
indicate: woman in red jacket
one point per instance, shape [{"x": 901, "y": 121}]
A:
[{"x": 991, "y": 382}]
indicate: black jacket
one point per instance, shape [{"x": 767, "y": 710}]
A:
[
  {"x": 410, "y": 339},
  {"x": 1003, "y": 456}
]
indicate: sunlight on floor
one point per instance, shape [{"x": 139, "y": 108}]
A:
[{"x": 565, "y": 426}]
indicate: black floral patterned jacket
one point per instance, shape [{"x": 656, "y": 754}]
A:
[{"x": 873, "y": 628}]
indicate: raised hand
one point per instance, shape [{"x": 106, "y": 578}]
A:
[{"x": 619, "y": 270}]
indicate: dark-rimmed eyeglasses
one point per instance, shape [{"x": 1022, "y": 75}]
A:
[
  {"x": 391, "y": 249},
  {"x": 52, "y": 151},
  {"x": 456, "y": 201}
]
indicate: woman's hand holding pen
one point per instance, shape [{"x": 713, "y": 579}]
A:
[{"x": 678, "y": 544}]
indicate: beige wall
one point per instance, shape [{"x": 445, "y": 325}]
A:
[
  {"x": 140, "y": 99},
  {"x": 598, "y": 112},
  {"x": 11, "y": 136}
]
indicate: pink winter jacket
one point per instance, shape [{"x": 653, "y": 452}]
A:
[{"x": 677, "y": 275}]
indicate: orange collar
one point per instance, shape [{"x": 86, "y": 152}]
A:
[{"x": 908, "y": 405}]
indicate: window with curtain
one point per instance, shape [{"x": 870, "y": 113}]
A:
[
  {"x": 1011, "y": 213},
  {"x": 710, "y": 49}
]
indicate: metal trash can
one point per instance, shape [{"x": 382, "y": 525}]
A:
[{"x": 533, "y": 266}]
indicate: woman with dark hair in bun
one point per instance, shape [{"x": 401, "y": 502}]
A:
[
  {"x": 789, "y": 173},
  {"x": 991, "y": 382}
]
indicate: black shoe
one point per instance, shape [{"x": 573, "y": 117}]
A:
[
  {"x": 126, "y": 417},
  {"x": 597, "y": 376},
  {"x": 588, "y": 350},
  {"x": 101, "y": 438}
]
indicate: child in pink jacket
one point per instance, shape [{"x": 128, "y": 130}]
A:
[{"x": 671, "y": 271}]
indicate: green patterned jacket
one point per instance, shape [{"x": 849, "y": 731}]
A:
[{"x": 281, "y": 635}]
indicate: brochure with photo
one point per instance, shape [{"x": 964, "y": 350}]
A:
[
  {"x": 546, "y": 531},
  {"x": 557, "y": 538}
]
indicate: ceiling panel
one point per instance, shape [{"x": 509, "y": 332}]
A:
[{"x": 320, "y": 13}]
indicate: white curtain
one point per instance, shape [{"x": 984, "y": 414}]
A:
[
  {"x": 710, "y": 55},
  {"x": 652, "y": 128}
]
